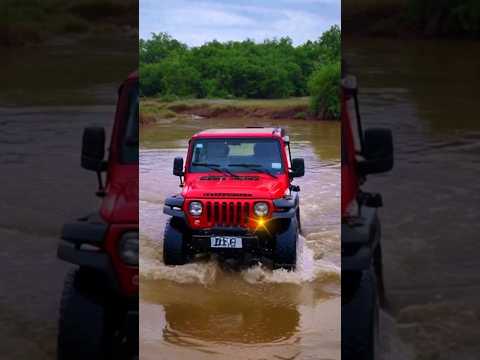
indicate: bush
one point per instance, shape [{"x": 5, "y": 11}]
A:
[
  {"x": 440, "y": 17},
  {"x": 324, "y": 87}
]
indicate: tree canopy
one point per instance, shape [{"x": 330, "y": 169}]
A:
[{"x": 274, "y": 68}]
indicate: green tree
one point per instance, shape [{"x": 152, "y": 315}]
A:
[
  {"x": 324, "y": 86},
  {"x": 274, "y": 68}
]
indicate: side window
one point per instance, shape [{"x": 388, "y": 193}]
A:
[{"x": 198, "y": 153}]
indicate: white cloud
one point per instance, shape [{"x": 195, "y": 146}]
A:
[{"x": 195, "y": 22}]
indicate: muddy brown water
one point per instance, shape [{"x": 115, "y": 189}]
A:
[
  {"x": 48, "y": 95},
  {"x": 201, "y": 310},
  {"x": 426, "y": 92}
]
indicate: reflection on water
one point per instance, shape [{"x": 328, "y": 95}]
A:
[
  {"x": 426, "y": 92},
  {"x": 202, "y": 310}
]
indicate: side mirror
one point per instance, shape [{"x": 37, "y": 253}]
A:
[
  {"x": 378, "y": 152},
  {"x": 178, "y": 166},
  {"x": 298, "y": 167},
  {"x": 93, "y": 149}
]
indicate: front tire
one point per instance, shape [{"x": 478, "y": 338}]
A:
[
  {"x": 174, "y": 251},
  {"x": 285, "y": 252},
  {"x": 83, "y": 331},
  {"x": 360, "y": 323}
]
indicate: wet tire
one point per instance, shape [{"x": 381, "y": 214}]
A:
[
  {"x": 174, "y": 252},
  {"x": 82, "y": 332},
  {"x": 299, "y": 221},
  {"x": 360, "y": 317},
  {"x": 285, "y": 252}
]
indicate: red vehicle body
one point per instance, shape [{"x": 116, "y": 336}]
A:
[
  {"x": 99, "y": 307},
  {"x": 268, "y": 189},
  {"x": 363, "y": 153},
  {"x": 229, "y": 196},
  {"x": 120, "y": 205},
  {"x": 350, "y": 181}
]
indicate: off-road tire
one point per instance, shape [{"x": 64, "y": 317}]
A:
[
  {"x": 299, "y": 221},
  {"x": 174, "y": 250},
  {"x": 285, "y": 252},
  {"x": 82, "y": 330},
  {"x": 360, "y": 320}
]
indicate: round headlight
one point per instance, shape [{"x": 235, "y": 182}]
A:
[
  {"x": 260, "y": 209},
  {"x": 196, "y": 208},
  {"x": 128, "y": 248}
]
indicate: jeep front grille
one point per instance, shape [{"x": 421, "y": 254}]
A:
[{"x": 228, "y": 213}]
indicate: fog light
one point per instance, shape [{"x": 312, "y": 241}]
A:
[{"x": 128, "y": 248}]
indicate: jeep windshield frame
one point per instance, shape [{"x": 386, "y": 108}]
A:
[
  {"x": 130, "y": 133},
  {"x": 262, "y": 155}
]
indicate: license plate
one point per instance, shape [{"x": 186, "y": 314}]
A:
[{"x": 228, "y": 242}]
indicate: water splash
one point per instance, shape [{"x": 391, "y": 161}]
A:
[
  {"x": 308, "y": 269},
  {"x": 205, "y": 273}
]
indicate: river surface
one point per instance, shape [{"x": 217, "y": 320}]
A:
[
  {"x": 427, "y": 93},
  {"x": 49, "y": 94},
  {"x": 201, "y": 310}
]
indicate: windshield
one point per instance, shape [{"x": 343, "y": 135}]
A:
[
  {"x": 129, "y": 141},
  {"x": 237, "y": 155}
]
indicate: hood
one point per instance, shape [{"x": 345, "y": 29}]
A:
[
  {"x": 247, "y": 185},
  {"x": 120, "y": 205}
]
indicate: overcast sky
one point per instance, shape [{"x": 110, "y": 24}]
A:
[{"x": 195, "y": 22}]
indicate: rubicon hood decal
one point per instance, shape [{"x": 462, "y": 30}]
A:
[
  {"x": 226, "y": 195},
  {"x": 241, "y": 178}
]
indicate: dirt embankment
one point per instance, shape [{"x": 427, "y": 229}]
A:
[
  {"x": 239, "y": 112},
  {"x": 33, "y": 22},
  {"x": 229, "y": 109}
]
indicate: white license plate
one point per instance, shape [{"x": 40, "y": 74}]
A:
[{"x": 226, "y": 242}]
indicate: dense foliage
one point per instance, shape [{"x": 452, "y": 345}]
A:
[
  {"x": 323, "y": 85},
  {"x": 32, "y": 21},
  {"x": 438, "y": 18},
  {"x": 271, "y": 69},
  {"x": 450, "y": 17}
]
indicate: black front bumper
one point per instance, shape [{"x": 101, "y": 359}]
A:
[
  {"x": 132, "y": 330},
  {"x": 360, "y": 240}
]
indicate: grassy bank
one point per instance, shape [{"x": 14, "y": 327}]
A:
[
  {"x": 153, "y": 110},
  {"x": 24, "y": 22}
]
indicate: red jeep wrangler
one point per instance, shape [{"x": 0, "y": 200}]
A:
[
  {"x": 363, "y": 153},
  {"x": 237, "y": 198},
  {"x": 99, "y": 306}
]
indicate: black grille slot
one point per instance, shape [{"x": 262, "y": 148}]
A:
[
  {"x": 239, "y": 213},
  {"x": 224, "y": 213},
  {"x": 246, "y": 211},
  {"x": 209, "y": 211},
  {"x": 231, "y": 214},
  {"x": 216, "y": 213}
]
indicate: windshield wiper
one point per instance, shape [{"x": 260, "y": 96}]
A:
[
  {"x": 255, "y": 167},
  {"x": 215, "y": 167}
]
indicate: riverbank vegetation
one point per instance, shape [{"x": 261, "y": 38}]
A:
[
  {"x": 24, "y": 22},
  {"x": 430, "y": 18},
  {"x": 155, "y": 109},
  {"x": 236, "y": 70}
]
